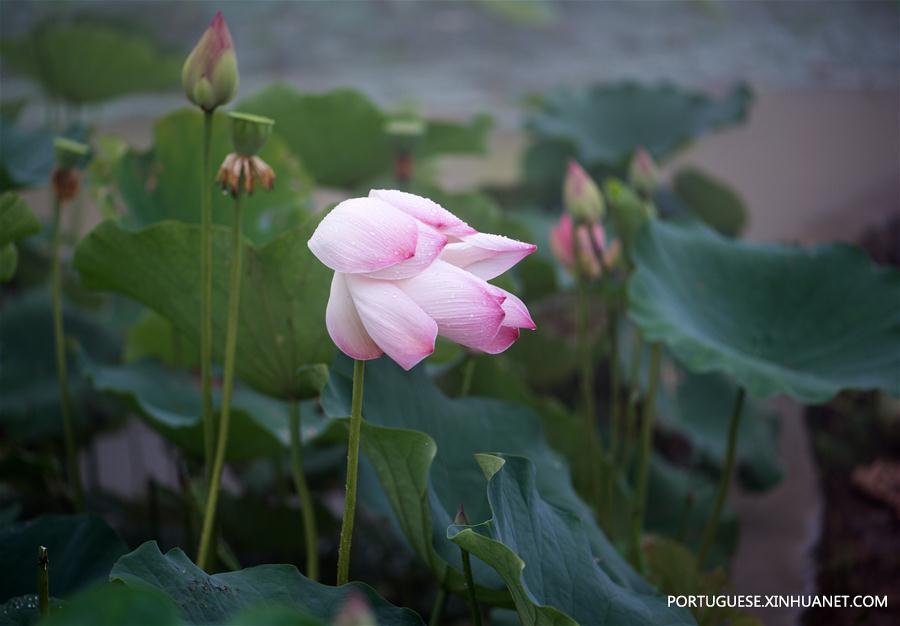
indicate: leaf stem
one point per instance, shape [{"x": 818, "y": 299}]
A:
[
  {"x": 640, "y": 503},
  {"x": 468, "y": 374},
  {"x": 234, "y": 296},
  {"x": 309, "y": 515},
  {"x": 470, "y": 588},
  {"x": 437, "y": 609},
  {"x": 587, "y": 395},
  {"x": 209, "y": 429},
  {"x": 62, "y": 376},
  {"x": 43, "y": 581},
  {"x": 709, "y": 533},
  {"x": 343, "y": 573}
]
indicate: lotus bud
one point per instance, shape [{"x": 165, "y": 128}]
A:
[
  {"x": 404, "y": 133},
  {"x": 581, "y": 196},
  {"x": 629, "y": 211},
  {"x": 210, "y": 73},
  {"x": 355, "y": 611},
  {"x": 69, "y": 154},
  {"x": 461, "y": 518},
  {"x": 249, "y": 133},
  {"x": 643, "y": 173}
]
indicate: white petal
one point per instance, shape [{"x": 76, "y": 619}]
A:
[
  {"x": 424, "y": 210},
  {"x": 517, "y": 315},
  {"x": 428, "y": 247},
  {"x": 486, "y": 255},
  {"x": 344, "y": 325}
]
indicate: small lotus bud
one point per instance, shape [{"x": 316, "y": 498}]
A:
[
  {"x": 461, "y": 518},
  {"x": 581, "y": 196},
  {"x": 249, "y": 133},
  {"x": 210, "y": 73},
  {"x": 629, "y": 211},
  {"x": 69, "y": 154},
  {"x": 643, "y": 173},
  {"x": 355, "y": 611}
]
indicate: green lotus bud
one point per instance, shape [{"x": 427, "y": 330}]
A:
[
  {"x": 210, "y": 73},
  {"x": 461, "y": 518},
  {"x": 643, "y": 173},
  {"x": 629, "y": 211},
  {"x": 581, "y": 196},
  {"x": 70, "y": 154},
  {"x": 249, "y": 133}
]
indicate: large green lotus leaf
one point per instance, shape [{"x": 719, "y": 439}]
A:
[
  {"x": 115, "y": 605},
  {"x": 422, "y": 445},
  {"x": 341, "y": 135},
  {"x": 29, "y": 389},
  {"x": 89, "y": 61},
  {"x": 23, "y": 610},
  {"x": 164, "y": 182},
  {"x": 712, "y": 200},
  {"x": 204, "y": 599},
  {"x": 82, "y": 549},
  {"x": 16, "y": 221},
  {"x": 807, "y": 322},
  {"x": 605, "y": 124},
  {"x": 282, "y": 345},
  {"x": 170, "y": 401},
  {"x": 543, "y": 554}
]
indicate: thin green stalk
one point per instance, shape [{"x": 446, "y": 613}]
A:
[
  {"x": 640, "y": 501},
  {"x": 470, "y": 588},
  {"x": 587, "y": 394},
  {"x": 437, "y": 609},
  {"x": 621, "y": 443},
  {"x": 234, "y": 295},
  {"x": 61, "y": 371},
  {"x": 209, "y": 430},
  {"x": 310, "y": 534},
  {"x": 709, "y": 533},
  {"x": 615, "y": 408},
  {"x": 43, "y": 581},
  {"x": 468, "y": 375},
  {"x": 343, "y": 573}
]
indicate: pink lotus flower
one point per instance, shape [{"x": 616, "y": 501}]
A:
[
  {"x": 407, "y": 270},
  {"x": 580, "y": 248}
]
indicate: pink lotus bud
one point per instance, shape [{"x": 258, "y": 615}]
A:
[
  {"x": 581, "y": 248},
  {"x": 210, "y": 73},
  {"x": 643, "y": 173},
  {"x": 406, "y": 270},
  {"x": 355, "y": 611},
  {"x": 581, "y": 196}
]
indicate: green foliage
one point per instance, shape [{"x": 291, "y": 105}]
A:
[
  {"x": 713, "y": 201},
  {"x": 82, "y": 549},
  {"x": 282, "y": 345},
  {"x": 114, "y": 605},
  {"x": 776, "y": 318},
  {"x": 164, "y": 182},
  {"x": 543, "y": 554},
  {"x": 203, "y": 599},
  {"x": 341, "y": 135},
  {"x": 16, "y": 222},
  {"x": 84, "y": 62}
]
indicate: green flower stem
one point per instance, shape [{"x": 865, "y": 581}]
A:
[
  {"x": 209, "y": 430},
  {"x": 43, "y": 581},
  {"x": 310, "y": 534},
  {"x": 709, "y": 533},
  {"x": 343, "y": 573},
  {"x": 640, "y": 502},
  {"x": 234, "y": 296},
  {"x": 620, "y": 446},
  {"x": 468, "y": 374},
  {"x": 470, "y": 588},
  {"x": 587, "y": 395},
  {"x": 59, "y": 337},
  {"x": 437, "y": 609}
]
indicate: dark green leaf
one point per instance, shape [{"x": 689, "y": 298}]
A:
[
  {"x": 543, "y": 554},
  {"x": 82, "y": 549},
  {"x": 807, "y": 322},
  {"x": 282, "y": 343},
  {"x": 116, "y": 605},
  {"x": 16, "y": 219},
  {"x": 203, "y": 599},
  {"x": 23, "y": 610},
  {"x": 714, "y": 202}
]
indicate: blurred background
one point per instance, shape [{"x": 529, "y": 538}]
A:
[{"x": 816, "y": 158}]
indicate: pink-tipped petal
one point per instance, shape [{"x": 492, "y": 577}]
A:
[
  {"x": 486, "y": 255},
  {"x": 517, "y": 315},
  {"x": 429, "y": 245},
  {"x": 343, "y": 323},
  {"x": 467, "y": 310},
  {"x": 561, "y": 241},
  {"x": 504, "y": 338},
  {"x": 364, "y": 235},
  {"x": 599, "y": 236},
  {"x": 424, "y": 210},
  {"x": 587, "y": 256},
  {"x": 394, "y": 322}
]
